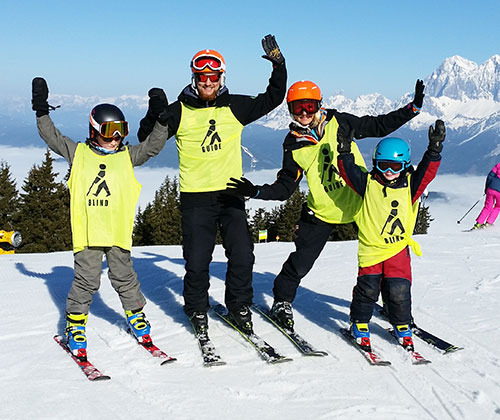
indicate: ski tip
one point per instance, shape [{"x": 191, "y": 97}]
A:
[
  {"x": 281, "y": 359},
  {"x": 214, "y": 363},
  {"x": 168, "y": 361},
  {"x": 452, "y": 349},
  {"x": 101, "y": 378},
  {"x": 316, "y": 353}
]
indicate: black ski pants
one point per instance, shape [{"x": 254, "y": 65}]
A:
[
  {"x": 199, "y": 230},
  {"x": 310, "y": 238},
  {"x": 392, "y": 277}
]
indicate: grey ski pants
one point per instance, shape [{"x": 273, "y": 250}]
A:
[{"x": 88, "y": 269}]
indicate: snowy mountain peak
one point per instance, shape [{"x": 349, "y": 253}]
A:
[{"x": 462, "y": 79}]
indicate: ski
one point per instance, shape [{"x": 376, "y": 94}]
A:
[
  {"x": 89, "y": 370},
  {"x": 372, "y": 357},
  {"x": 154, "y": 351},
  {"x": 416, "y": 357},
  {"x": 424, "y": 335},
  {"x": 304, "y": 346},
  {"x": 266, "y": 351},
  {"x": 208, "y": 351}
]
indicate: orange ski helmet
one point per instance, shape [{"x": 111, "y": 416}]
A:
[
  {"x": 303, "y": 89},
  {"x": 206, "y": 61}
]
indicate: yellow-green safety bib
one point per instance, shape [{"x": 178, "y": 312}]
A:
[
  {"x": 209, "y": 146},
  {"x": 385, "y": 222},
  {"x": 104, "y": 194},
  {"x": 329, "y": 197}
]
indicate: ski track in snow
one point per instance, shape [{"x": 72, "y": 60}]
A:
[{"x": 455, "y": 296}]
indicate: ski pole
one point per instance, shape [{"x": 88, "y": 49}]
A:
[{"x": 468, "y": 211}]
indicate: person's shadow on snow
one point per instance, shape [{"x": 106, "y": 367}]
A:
[
  {"x": 317, "y": 307},
  {"x": 165, "y": 288},
  {"x": 58, "y": 283}
]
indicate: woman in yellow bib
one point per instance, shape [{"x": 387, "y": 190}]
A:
[
  {"x": 104, "y": 194},
  {"x": 386, "y": 219}
]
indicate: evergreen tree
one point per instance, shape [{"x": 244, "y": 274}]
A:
[
  {"x": 423, "y": 219},
  {"x": 286, "y": 216},
  {"x": 9, "y": 198},
  {"x": 344, "y": 232},
  {"x": 160, "y": 222},
  {"x": 43, "y": 219},
  {"x": 260, "y": 221}
]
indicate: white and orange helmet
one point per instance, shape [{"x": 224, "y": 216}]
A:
[{"x": 208, "y": 61}]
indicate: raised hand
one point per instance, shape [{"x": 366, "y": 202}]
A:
[
  {"x": 39, "y": 96},
  {"x": 437, "y": 134},
  {"x": 344, "y": 140},
  {"x": 158, "y": 105},
  {"x": 273, "y": 53},
  {"x": 418, "y": 98}
]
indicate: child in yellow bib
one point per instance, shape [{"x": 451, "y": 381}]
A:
[
  {"x": 104, "y": 194},
  {"x": 386, "y": 219}
]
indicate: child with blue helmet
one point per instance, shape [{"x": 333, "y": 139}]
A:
[{"x": 386, "y": 219}]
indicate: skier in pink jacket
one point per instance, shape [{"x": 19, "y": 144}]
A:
[{"x": 491, "y": 207}]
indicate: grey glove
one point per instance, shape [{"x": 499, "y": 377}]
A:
[
  {"x": 437, "y": 135},
  {"x": 273, "y": 53}
]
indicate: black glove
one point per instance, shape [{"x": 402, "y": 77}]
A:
[
  {"x": 418, "y": 99},
  {"x": 158, "y": 105},
  {"x": 273, "y": 53},
  {"x": 437, "y": 135},
  {"x": 242, "y": 187},
  {"x": 344, "y": 141},
  {"x": 39, "y": 96}
]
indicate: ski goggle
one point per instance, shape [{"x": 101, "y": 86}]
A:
[
  {"x": 207, "y": 61},
  {"x": 110, "y": 129},
  {"x": 394, "y": 167},
  {"x": 310, "y": 106},
  {"x": 202, "y": 77}
]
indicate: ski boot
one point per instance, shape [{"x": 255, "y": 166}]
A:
[
  {"x": 282, "y": 313},
  {"x": 361, "y": 332},
  {"x": 75, "y": 335},
  {"x": 477, "y": 226},
  {"x": 487, "y": 225},
  {"x": 139, "y": 326},
  {"x": 242, "y": 318},
  {"x": 404, "y": 335},
  {"x": 199, "y": 321}
]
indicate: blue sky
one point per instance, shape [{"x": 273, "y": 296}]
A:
[{"x": 113, "y": 48}]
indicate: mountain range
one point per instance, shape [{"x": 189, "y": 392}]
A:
[{"x": 460, "y": 92}]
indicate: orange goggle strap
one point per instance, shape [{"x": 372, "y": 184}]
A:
[{"x": 109, "y": 129}]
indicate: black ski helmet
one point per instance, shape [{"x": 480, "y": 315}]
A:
[{"x": 105, "y": 113}]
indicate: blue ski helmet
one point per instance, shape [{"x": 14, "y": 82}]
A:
[{"x": 392, "y": 149}]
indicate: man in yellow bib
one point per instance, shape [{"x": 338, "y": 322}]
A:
[
  {"x": 207, "y": 121},
  {"x": 104, "y": 194},
  {"x": 386, "y": 219}
]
